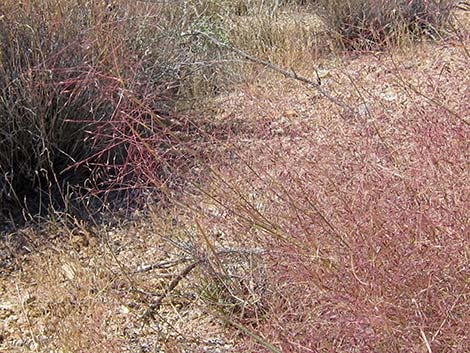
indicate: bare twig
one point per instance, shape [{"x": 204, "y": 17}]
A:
[
  {"x": 150, "y": 312},
  {"x": 160, "y": 265},
  {"x": 288, "y": 74}
]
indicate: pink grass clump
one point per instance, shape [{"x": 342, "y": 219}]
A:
[{"x": 365, "y": 222}]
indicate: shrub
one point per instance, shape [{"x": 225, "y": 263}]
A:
[
  {"x": 44, "y": 84},
  {"x": 81, "y": 91},
  {"x": 373, "y": 24}
]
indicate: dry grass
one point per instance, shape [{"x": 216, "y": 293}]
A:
[
  {"x": 376, "y": 24},
  {"x": 79, "y": 87},
  {"x": 365, "y": 217},
  {"x": 313, "y": 229},
  {"x": 83, "y": 90},
  {"x": 89, "y": 288}
]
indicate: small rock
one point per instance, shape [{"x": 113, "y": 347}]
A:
[
  {"x": 389, "y": 95},
  {"x": 323, "y": 73},
  {"x": 124, "y": 310}
]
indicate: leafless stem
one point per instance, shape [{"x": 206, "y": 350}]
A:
[
  {"x": 150, "y": 313},
  {"x": 288, "y": 74},
  {"x": 160, "y": 265}
]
